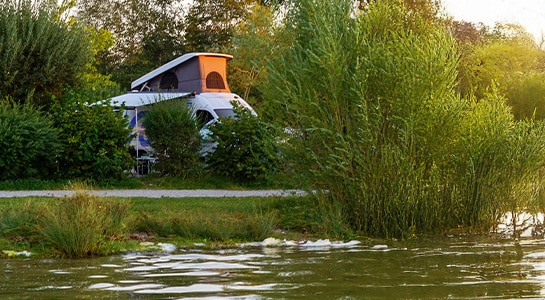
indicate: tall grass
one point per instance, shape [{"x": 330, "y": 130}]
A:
[
  {"x": 83, "y": 224},
  {"x": 209, "y": 225},
  {"x": 381, "y": 128}
]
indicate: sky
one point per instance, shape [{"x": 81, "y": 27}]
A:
[{"x": 528, "y": 13}]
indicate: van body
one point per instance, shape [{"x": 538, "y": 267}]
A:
[
  {"x": 194, "y": 79},
  {"x": 207, "y": 107}
]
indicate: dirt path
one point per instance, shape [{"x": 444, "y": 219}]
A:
[{"x": 159, "y": 193}]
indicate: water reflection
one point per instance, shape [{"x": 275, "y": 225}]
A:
[{"x": 457, "y": 269}]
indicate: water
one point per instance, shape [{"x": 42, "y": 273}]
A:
[{"x": 458, "y": 268}]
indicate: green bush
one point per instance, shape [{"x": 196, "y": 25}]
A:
[
  {"x": 29, "y": 144},
  {"x": 379, "y": 126},
  {"x": 39, "y": 52},
  {"x": 245, "y": 147},
  {"x": 94, "y": 136},
  {"x": 174, "y": 135},
  {"x": 82, "y": 225}
]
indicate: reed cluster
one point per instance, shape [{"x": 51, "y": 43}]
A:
[
  {"x": 379, "y": 126},
  {"x": 83, "y": 224}
]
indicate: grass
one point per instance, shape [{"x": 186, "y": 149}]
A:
[{"x": 84, "y": 225}]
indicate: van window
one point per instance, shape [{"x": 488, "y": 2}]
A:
[
  {"x": 225, "y": 113},
  {"x": 169, "y": 81},
  {"x": 204, "y": 117},
  {"x": 214, "y": 81}
]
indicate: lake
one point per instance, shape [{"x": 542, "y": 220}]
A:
[{"x": 459, "y": 267}]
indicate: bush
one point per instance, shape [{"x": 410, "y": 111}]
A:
[
  {"x": 94, "y": 136},
  {"x": 245, "y": 147},
  {"x": 174, "y": 135},
  {"x": 380, "y": 127},
  {"x": 81, "y": 225},
  {"x": 29, "y": 144},
  {"x": 39, "y": 53}
]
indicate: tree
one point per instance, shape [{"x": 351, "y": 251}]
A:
[
  {"x": 254, "y": 42},
  {"x": 174, "y": 135},
  {"x": 209, "y": 24},
  {"x": 146, "y": 35},
  {"x": 39, "y": 54},
  {"x": 505, "y": 56},
  {"x": 375, "y": 120}
]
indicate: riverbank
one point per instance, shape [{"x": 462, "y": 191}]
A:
[{"x": 45, "y": 225}]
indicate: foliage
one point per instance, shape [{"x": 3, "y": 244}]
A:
[
  {"x": 145, "y": 35},
  {"x": 39, "y": 54},
  {"x": 492, "y": 57},
  {"x": 29, "y": 144},
  {"x": 526, "y": 96},
  {"x": 82, "y": 224},
  {"x": 376, "y": 122},
  {"x": 209, "y": 24},
  {"x": 245, "y": 147},
  {"x": 174, "y": 135},
  {"x": 254, "y": 42},
  {"x": 94, "y": 137}
]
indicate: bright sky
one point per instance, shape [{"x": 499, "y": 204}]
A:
[{"x": 528, "y": 13}]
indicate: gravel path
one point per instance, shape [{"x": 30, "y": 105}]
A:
[{"x": 158, "y": 193}]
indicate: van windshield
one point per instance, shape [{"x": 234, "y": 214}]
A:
[{"x": 225, "y": 112}]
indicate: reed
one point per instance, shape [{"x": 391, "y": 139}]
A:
[
  {"x": 83, "y": 224},
  {"x": 381, "y": 128}
]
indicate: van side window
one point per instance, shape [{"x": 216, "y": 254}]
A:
[
  {"x": 204, "y": 117},
  {"x": 214, "y": 81},
  {"x": 169, "y": 81}
]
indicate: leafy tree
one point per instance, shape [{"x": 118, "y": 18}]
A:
[
  {"x": 254, "y": 42},
  {"x": 174, "y": 135},
  {"x": 505, "y": 56},
  {"x": 146, "y": 35},
  {"x": 39, "y": 54},
  {"x": 29, "y": 144},
  {"x": 209, "y": 24}
]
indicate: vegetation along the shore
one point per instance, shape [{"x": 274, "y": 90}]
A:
[
  {"x": 411, "y": 123},
  {"x": 88, "y": 225}
]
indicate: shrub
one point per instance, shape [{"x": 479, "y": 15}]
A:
[
  {"x": 82, "y": 224},
  {"x": 38, "y": 51},
  {"x": 94, "y": 136},
  {"x": 380, "y": 127},
  {"x": 174, "y": 135},
  {"x": 245, "y": 147},
  {"x": 29, "y": 144}
]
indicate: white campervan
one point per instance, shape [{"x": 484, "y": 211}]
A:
[{"x": 197, "y": 79}]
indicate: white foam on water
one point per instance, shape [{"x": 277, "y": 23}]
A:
[
  {"x": 101, "y": 286},
  {"x": 194, "y": 273},
  {"x": 134, "y": 287},
  {"x": 97, "y": 276},
  {"x": 194, "y": 288},
  {"x": 141, "y": 269},
  {"x": 210, "y": 265}
]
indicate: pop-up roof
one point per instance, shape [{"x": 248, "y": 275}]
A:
[{"x": 191, "y": 72}]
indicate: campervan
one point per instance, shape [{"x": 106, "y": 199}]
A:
[{"x": 194, "y": 79}]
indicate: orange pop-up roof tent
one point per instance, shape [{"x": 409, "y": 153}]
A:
[{"x": 191, "y": 72}]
